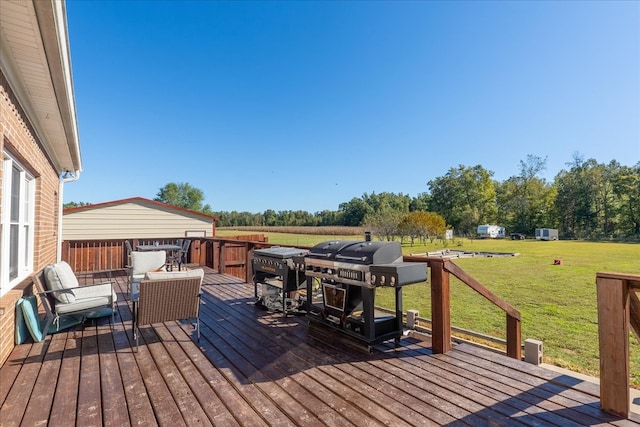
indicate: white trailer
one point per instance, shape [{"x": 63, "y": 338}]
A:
[
  {"x": 546, "y": 234},
  {"x": 487, "y": 231}
]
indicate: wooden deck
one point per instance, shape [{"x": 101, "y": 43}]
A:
[{"x": 257, "y": 368}]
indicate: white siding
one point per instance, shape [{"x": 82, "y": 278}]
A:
[{"x": 131, "y": 220}]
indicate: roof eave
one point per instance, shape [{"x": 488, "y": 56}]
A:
[
  {"x": 140, "y": 200},
  {"x": 34, "y": 37}
]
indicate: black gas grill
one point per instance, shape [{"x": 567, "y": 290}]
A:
[
  {"x": 346, "y": 274},
  {"x": 277, "y": 280}
]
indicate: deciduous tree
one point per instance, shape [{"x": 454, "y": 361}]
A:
[
  {"x": 183, "y": 195},
  {"x": 465, "y": 197}
]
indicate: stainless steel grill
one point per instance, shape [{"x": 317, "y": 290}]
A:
[
  {"x": 342, "y": 278},
  {"x": 278, "y": 284}
]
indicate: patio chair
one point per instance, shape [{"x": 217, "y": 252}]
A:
[
  {"x": 180, "y": 257},
  {"x": 62, "y": 295},
  {"x": 129, "y": 250},
  {"x": 166, "y": 296},
  {"x": 143, "y": 262}
]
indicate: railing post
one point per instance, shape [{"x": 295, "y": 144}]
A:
[
  {"x": 634, "y": 313},
  {"x": 249, "y": 265},
  {"x": 440, "y": 307},
  {"x": 613, "y": 334},
  {"x": 514, "y": 337}
]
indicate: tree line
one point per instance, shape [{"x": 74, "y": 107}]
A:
[{"x": 586, "y": 200}]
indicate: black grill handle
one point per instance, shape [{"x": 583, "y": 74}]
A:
[
  {"x": 351, "y": 258},
  {"x": 319, "y": 255}
]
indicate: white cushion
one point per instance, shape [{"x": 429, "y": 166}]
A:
[
  {"x": 59, "y": 276},
  {"x": 88, "y": 297},
  {"x": 154, "y": 275},
  {"x": 141, "y": 262},
  {"x": 83, "y": 304},
  {"x": 99, "y": 290}
]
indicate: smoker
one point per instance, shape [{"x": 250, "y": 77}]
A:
[
  {"x": 346, "y": 274},
  {"x": 279, "y": 285}
]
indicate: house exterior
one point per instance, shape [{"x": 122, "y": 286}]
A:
[
  {"x": 38, "y": 143},
  {"x": 134, "y": 218}
]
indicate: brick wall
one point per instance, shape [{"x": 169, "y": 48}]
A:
[
  {"x": 19, "y": 139},
  {"x": 8, "y": 319}
]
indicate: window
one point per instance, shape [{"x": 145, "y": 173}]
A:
[{"x": 17, "y": 223}]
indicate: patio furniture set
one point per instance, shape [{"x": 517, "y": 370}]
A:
[{"x": 157, "y": 293}]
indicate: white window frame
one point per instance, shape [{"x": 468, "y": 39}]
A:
[{"x": 25, "y": 223}]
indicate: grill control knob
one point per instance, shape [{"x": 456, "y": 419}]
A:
[
  {"x": 373, "y": 279},
  {"x": 382, "y": 280},
  {"x": 392, "y": 281}
]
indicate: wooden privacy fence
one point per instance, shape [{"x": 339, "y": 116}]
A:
[
  {"x": 618, "y": 309},
  {"x": 227, "y": 255}
]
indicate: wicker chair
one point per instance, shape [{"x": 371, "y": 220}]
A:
[{"x": 163, "y": 300}]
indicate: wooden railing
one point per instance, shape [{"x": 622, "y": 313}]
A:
[
  {"x": 618, "y": 310},
  {"x": 441, "y": 305},
  {"x": 232, "y": 256}
]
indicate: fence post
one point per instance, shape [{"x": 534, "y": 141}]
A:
[
  {"x": 440, "y": 307},
  {"x": 221, "y": 257},
  {"x": 249, "y": 264},
  {"x": 64, "y": 256},
  {"x": 613, "y": 337}
]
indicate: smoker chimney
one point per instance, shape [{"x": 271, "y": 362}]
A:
[{"x": 367, "y": 236}]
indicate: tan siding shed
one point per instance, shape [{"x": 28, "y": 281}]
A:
[{"x": 132, "y": 218}]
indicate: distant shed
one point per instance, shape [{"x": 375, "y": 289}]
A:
[{"x": 134, "y": 218}]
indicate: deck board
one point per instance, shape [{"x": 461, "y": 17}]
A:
[
  {"x": 39, "y": 405},
  {"x": 258, "y": 368},
  {"x": 63, "y": 408}
]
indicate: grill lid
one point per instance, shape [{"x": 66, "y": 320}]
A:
[
  {"x": 328, "y": 250},
  {"x": 357, "y": 252},
  {"x": 279, "y": 252}
]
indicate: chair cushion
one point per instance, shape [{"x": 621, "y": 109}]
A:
[
  {"x": 100, "y": 290},
  {"x": 63, "y": 323},
  {"x": 100, "y": 312},
  {"x": 59, "y": 277},
  {"x": 30, "y": 312},
  {"x": 22, "y": 331},
  {"x": 154, "y": 275},
  {"x": 141, "y": 262},
  {"x": 83, "y": 304},
  {"x": 88, "y": 297}
]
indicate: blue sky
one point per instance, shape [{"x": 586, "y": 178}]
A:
[{"x": 303, "y": 105}]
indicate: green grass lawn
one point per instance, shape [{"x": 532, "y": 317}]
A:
[{"x": 557, "y": 302}]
